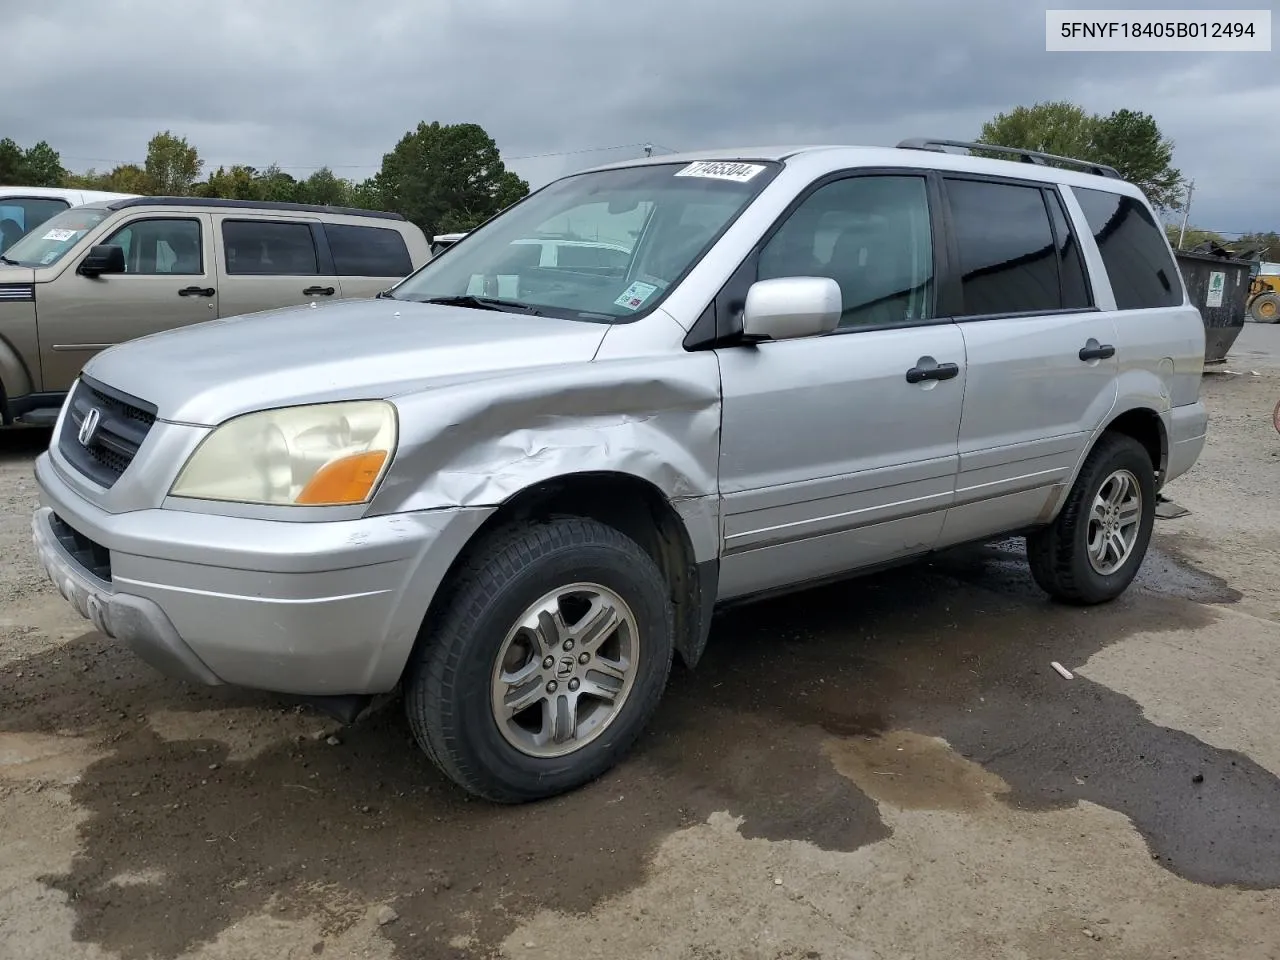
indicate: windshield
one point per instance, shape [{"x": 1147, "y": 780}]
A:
[
  {"x": 601, "y": 246},
  {"x": 51, "y": 241}
]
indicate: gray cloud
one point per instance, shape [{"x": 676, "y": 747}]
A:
[{"x": 310, "y": 82}]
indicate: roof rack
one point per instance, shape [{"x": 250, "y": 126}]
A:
[
  {"x": 1026, "y": 156},
  {"x": 227, "y": 204}
]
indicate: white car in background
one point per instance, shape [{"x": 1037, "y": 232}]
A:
[{"x": 22, "y": 209}]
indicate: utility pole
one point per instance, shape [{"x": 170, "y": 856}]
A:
[{"x": 1186, "y": 213}]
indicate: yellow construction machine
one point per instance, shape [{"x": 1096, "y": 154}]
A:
[{"x": 1264, "y": 294}]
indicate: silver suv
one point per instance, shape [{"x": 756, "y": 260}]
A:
[{"x": 517, "y": 489}]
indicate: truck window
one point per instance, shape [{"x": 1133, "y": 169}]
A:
[
  {"x": 368, "y": 251},
  {"x": 20, "y": 215},
  {"x": 269, "y": 248},
  {"x": 161, "y": 246}
]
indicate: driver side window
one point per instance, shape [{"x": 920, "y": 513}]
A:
[
  {"x": 161, "y": 247},
  {"x": 872, "y": 235}
]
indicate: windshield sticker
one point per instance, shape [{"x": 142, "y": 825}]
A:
[
  {"x": 720, "y": 170},
  {"x": 61, "y": 236},
  {"x": 49, "y": 257},
  {"x": 635, "y": 295}
]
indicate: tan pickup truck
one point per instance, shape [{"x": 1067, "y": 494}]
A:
[{"x": 107, "y": 272}]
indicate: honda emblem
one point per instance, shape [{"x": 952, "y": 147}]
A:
[{"x": 89, "y": 426}]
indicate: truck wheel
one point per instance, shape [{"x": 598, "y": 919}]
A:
[
  {"x": 546, "y": 664},
  {"x": 1092, "y": 551},
  {"x": 1265, "y": 308}
]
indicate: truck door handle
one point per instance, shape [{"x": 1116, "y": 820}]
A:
[
  {"x": 1093, "y": 350},
  {"x": 318, "y": 291},
  {"x": 197, "y": 292},
  {"x": 927, "y": 368}
]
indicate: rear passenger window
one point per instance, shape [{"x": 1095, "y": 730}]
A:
[
  {"x": 368, "y": 251},
  {"x": 1133, "y": 250},
  {"x": 1008, "y": 263},
  {"x": 265, "y": 248},
  {"x": 1075, "y": 288}
]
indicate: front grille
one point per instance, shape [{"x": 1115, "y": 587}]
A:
[
  {"x": 93, "y": 556},
  {"x": 123, "y": 422}
]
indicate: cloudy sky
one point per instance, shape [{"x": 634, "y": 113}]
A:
[{"x": 305, "y": 83}]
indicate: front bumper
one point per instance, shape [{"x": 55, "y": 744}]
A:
[{"x": 295, "y": 607}]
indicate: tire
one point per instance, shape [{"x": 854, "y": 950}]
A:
[
  {"x": 1265, "y": 308},
  {"x": 452, "y": 685},
  {"x": 1059, "y": 554}
]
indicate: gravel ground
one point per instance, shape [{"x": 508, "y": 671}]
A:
[{"x": 884, "y": 769}]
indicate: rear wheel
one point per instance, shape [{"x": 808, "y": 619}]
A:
[
  {"x": 1092, "y": 551},
  {"x": 1265, "y": 308},
  {"x": 547, "y": 663}
]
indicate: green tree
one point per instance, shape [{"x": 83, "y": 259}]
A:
[
  {"x": 1132, "y": 143},
  {"x": 277, "y": 186},
  {"x": 1055, "y": 126},
  {"x": 42, "y": 166},
  {"x": 10, "y": 163},
  {"x": 131, "y": 178},
  {"x": 447, "y": 177},
  {"x": 1128, "y": 140},
  {"x": 36, "y": 166},
  {"x": 325, "y": 188},
  {"x": 366, "y": 195},
  {"x": 91, "y": 179},
  {"x": 238, "y": 183},
  {"x": 172, "y": 164}
]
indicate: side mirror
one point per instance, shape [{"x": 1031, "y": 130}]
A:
[
  {"x": 791, "y": 307},
  {"x": 103, "y": 258}
]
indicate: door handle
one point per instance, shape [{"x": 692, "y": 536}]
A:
[
  {"x": 1093, "y": 350},
  {"x": 197, "y": 292},
  {"x": 927, "y": 368},
  {"x": 318, "y": 291}
]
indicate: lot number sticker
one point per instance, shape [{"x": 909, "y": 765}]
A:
[
  {"x": 61, "y": 236},
  {"x": 635, "y": 295},
  {"x": 721, "y": 170},
  {"x": 1217, "y": 283}
]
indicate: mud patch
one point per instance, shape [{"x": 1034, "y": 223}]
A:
[
  {"x": 40, "y": 757},
  {"x": 912, "y": 772},
  {"x": 283, "y": 823},
  {"x": 256, "y": 816}
]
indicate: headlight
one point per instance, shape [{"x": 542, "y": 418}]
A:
[{"x": 325, "y": 454}]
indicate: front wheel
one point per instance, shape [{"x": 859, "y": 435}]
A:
[
  {"x": 1265, "y": 308},
  {"x": 1092, "y": 551},
  {"x": 547, "y": 663}
]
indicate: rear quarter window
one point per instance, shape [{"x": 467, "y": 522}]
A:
[
  {"x": 1133, "y": 248},
  {"x": 368, "y": 251}
]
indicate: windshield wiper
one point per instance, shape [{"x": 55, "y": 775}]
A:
[
  {"x": 12, "y": 263},
  {"x": 484, "y": 303}
]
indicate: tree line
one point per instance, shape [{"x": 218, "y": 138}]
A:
[
  {"x": 443, "y": 177},
  {"x": 448, "y": 177}
]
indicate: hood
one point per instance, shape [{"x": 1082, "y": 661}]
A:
[
  {"x": 11, "y": 274},
  {"x": 348, "y": 350}
]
